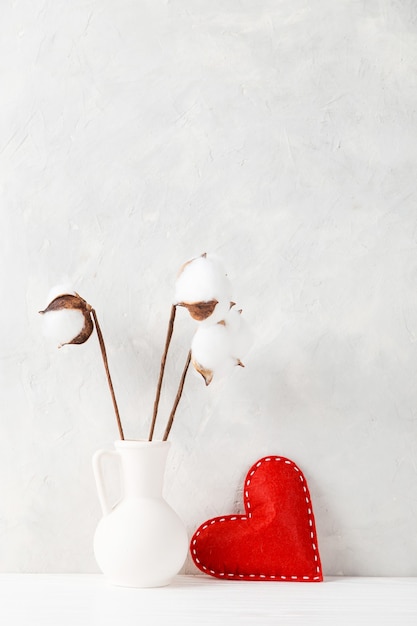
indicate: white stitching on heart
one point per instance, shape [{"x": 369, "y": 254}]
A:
[{"x": 244, "y": 517}]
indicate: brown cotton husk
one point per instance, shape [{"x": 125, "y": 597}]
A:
[
  {"x": 200, "y": 310},
  {"x": 205, "y": 373},
  {"x": 75, "y": 302}
]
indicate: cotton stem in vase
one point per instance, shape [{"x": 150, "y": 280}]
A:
[
  {"x": 177, "y": 398},
  {"x": 162, "y": 370},
  {"x": 106, "y": 367},
  {"x": 68, "y": 319}
]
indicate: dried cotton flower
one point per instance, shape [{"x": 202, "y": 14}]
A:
[
  {"x": 211, "y": 351},
  {"x": 222, "y": 337},
  {"x": 217, "y": 348},
  {"x": 67, "y": 319},
  {"x": 203, "y": 288}
]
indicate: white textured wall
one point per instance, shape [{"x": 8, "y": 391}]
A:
[{"x": 279, "y": 134}]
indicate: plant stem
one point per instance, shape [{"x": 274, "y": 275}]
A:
[
  {"x": 162, "y": 370},
  {"x": 106, "y": 367},
  {"x": 177, "y": 398}
]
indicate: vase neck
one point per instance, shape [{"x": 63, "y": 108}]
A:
[{"x": 143, "y": 469}]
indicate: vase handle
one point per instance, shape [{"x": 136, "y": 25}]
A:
[{"x": 98, "y": 457}]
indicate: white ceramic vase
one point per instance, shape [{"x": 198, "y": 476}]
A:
[{"x": 140, "y": 541}]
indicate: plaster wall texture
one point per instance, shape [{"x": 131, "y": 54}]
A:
[{"x": 280, "y": 135}]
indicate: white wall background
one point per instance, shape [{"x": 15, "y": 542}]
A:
[{"x": 279, "y": 134}]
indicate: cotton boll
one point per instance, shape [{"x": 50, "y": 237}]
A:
[
  {"x": 202, "y": 279},
  {"x": 211, "y": 351},
  {"x": 68, "y": 319},
  {"x": 201, "y": 286},
  {"x": 211, "y": 344},
  {"x": 63, "y": 326}
]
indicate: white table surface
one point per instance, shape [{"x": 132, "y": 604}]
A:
[{"x": 88, "y": 600}]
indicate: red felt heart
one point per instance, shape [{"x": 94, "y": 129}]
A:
[{"x": 275, "y": 540}]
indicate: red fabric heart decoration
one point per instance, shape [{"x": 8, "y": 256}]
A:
[{"x": 275, "y": 540}]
